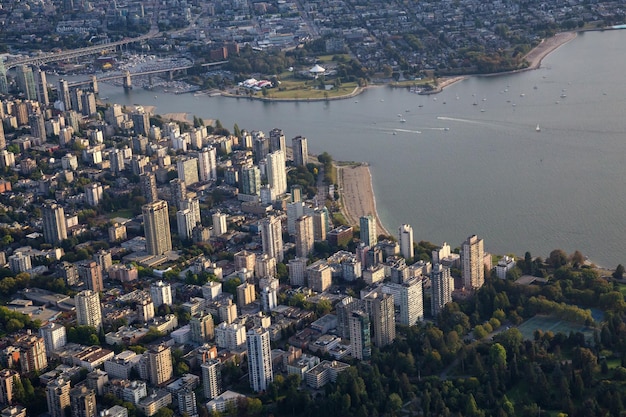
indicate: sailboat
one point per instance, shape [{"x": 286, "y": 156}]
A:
[{"x": 538, "y": 129}]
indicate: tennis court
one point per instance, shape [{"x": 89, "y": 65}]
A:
[{"x": 554, "y": 325}]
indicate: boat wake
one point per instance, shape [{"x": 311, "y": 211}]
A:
[
  {"x": 454, "y": 119},
  {"x": 407, "y": 131}
]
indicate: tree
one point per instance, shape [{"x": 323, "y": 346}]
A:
[
  {"x": 18, "y": 390},
  {"x": 323, "y": 307},
  {"x": 577, "y": 259},
  {"x": 497, "y": 356},
  {"x": 528, "y": 263},
  {"x": 557, "y": 258},
  {"x": 471, "y": 409},
  {"x": 619, "y": 272},
  {"x": 394, "y": 403},
  {"x": 164, "y": 412},
  {"x": 236, "y": 130},
  {"x": 231, "y": 285}
]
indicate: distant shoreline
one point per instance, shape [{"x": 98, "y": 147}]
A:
[{"x": 534, "y": 58}]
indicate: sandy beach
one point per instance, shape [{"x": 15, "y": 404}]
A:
[
  {"x": 357, "y": 194},
  {"x": 178, "y": 117},
  {"x": 547, "y": 46}
]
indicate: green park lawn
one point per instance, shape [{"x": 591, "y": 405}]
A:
[
  {"x": 125, "y": 213},
  {"x": 307, "y": 89}
]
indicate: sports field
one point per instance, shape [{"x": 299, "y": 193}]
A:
[{"x": 554, "y": 325}]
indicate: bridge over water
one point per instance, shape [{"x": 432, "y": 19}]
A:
[
  {"x": 75, "y": 53},
  {"x": 126, "y": 76}
]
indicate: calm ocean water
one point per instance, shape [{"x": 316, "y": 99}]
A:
[{"x": 470, "y": 160}]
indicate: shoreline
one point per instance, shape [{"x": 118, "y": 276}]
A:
[
  {"x": 357, "y": 196},
  {"x": 546, "y": 47}
]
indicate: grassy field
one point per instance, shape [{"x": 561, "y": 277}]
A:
[
  {"x": 302, "y": 90},
  {"x": 329, "y": 58},
  {"x": 125, "y": 213},
  {"x": 411, "y": 83},
  {"x": 553, "y": 324}
]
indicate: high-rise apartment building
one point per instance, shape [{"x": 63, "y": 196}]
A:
[
  {"x": 294, "y": 212},
  {"x": 3, "y": 141},
  {"x": 32, "y": 353},
  {"x": 93, "y": 193},
  {"x": 141, "y": 122},
  {"x": 367, "y": 232},
  {"x": 147, "y": 181},
  {"x": 58, "y": 396},
  {"x": 344, "y": 309},
  {"x": 188, "y": 170},
  {"x": 259, "y": 359},
  {"x": 231, "y": 336},
  {"x": 178, "y": 190},
  {"x": 88, "y": 309},
  {"x": 185, "y": 221},
  {"x": 269, "y": 294},
  {"x": 7, "y": 385},
  {"x": 207, "y": 165},
  {"x": 405, "y": 237},
  {"x": 261, "y": 146},
  {"x": 26, "y": 82},
  {"x": 220, "y": 225},
  {"x": 409, "y": 298},
  {"x": 382, "y": 316},
  {"x": 42, "y": 87},
  {"x": 83, "y": 402},
  {"x": 4, "y": 84},
  {"x": 264, "y": 266},
  {"x": 54, "y": 226},
  {"x": 145, "y": 310},
  {"x": 76, "y": 97},
  {"x": 88, "y": 104},
  {"x": 320, "y": 224},
  {"x": 472, "y": 254},
  {"x": 160, "y": 367},
  {"x": 244, "y": 259},
  {"x": 300, "y": 151},
  {"x": 212, "y": 378},
  {"x": 64, "y": 95},
  {"x": 297, "y": 272},
  {"x": 277, "y": 173},
  {"x": 37, "y": 125},
  {"x": 304, "y": 236},
  {"x": 272, "y": 237},
  {"x": 116, "y": 158},
  {"x": 161, "y": 293},
  {"x": 277, "y": 140},
  {"x": 250, "y": 183},
  {"x": 246, "y": 294},
  {"x": 442, "y": 285},
  {"x": 91, "y": 273},
  {"x": 319, "y": 276},
  {"x": 157, "y": 227},
  {"x": 54, "y": 336},
  {"x": 360, "y": 339},
  {"x": 202, "y": 328}
]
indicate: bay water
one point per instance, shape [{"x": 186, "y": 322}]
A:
[{"x": 531, "y": 161}]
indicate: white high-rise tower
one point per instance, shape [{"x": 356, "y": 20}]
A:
[
  {"x": 276, "y": 172},
  {"x": 88, "y": 310},
  {"x": 259, "y": 359},
  {"x": 405, "y": 237}
]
